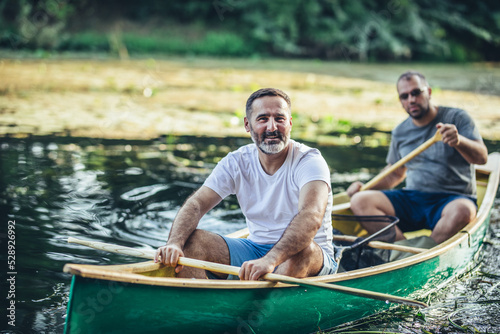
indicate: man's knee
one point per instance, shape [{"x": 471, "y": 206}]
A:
[
  {"x": 310, "y": 251},
  {"x": 462, "y": 210},
  {"x": 359, "y": 201},
  {"x": 367, "y": 200},
  {"x": 207, "y": 246},
  {"x": 305, "y": 263},
  {"x": 456, "y": 215},
  {"x": 467, "y": 213},
  {"x": 197, "y": 239}
]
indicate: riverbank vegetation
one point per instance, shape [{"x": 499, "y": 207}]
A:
[
  {"x": 367, "y": 30},
  {"x": 145, "y": 98}
]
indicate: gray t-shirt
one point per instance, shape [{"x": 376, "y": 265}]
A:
[{"x": 440, "y": 168}]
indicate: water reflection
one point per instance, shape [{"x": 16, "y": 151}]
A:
[{"x": 113, "y": 191}]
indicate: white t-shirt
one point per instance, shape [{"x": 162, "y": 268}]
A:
[{"x": 270, "y": 202}]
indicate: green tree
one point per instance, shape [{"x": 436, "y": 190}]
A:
[
  {"x": 363, "y": 30},
  {"x": 34, "y": 24}
]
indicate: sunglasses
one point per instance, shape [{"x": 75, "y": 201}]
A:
[{"x": 416, "y": 92}]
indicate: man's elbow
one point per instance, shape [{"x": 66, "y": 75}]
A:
[
  {"x": 481, "y": 158},
  {"x": 484, "y": 157},
  {"x": 479, "y": 154},
  {"x": 316, "y": 219}
]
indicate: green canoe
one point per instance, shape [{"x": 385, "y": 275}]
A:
[{"x": 144, "y": 298}]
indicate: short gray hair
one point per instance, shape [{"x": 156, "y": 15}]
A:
[{"x": 266, "y": 92}]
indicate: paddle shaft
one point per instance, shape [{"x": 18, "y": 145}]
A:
[
  {"x": 232, "y": 270},
  {"x": 381, "y": 244},
  {"x": 373, "y": 182}
]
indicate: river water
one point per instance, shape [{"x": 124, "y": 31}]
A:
[{"x": 128, "y": 192}]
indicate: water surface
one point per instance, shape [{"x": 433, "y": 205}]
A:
[{"x": 128, "y": 192}]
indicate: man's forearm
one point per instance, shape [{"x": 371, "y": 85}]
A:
[
  {"x": 184, "y": 224},
  {"x": 190, "y": 214},
  {"x": 474, "y": 152},
  {"x": 299, "y": 235},
  {"x": 391, "y": 180}
]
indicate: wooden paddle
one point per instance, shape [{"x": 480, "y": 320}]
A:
[
  {"x": 232, "y": 270},
  {"x": 428, "y": 143},
  {"x": 381, "y": 244},
  {"x": 370, "y": 184}
]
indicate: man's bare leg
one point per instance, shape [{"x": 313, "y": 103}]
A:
[
  {"x": 454, "y": 217},
  {"x": 306, "y": 263},
  {"x": 370, "y": 203},
  {"x": 206, "y": 246}
]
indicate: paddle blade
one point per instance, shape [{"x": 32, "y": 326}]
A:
[{"x": 145, "y": 254}]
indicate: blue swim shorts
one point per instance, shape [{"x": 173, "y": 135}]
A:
[
  {"x": 241, "y": 250},
  {"x": 417, "y": 209}
]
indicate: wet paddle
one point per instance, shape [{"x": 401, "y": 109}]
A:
[{"x": 232, "y": 270}]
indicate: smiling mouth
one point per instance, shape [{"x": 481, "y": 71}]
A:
[{"x": 271, "y": 136}]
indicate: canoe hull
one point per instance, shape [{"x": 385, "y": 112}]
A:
[
  {"x": 192, "y": 310},
  {"x": 105, "y": 306}
]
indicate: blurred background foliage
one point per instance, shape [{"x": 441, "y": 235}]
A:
[{"x": 363, "y": 30}]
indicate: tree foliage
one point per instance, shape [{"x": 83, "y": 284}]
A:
[{"x": 456, "y": 30}]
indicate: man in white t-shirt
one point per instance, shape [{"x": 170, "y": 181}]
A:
[{"x": 283, "y": 188}]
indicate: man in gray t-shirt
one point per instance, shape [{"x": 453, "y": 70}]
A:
[{"x": 440, "y": 182}]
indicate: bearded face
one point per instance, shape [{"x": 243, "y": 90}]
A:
[
  {"x": 270, "y": 124},
  {"x": 270, "y": 142},
  {"x": 414, "y": 96}
]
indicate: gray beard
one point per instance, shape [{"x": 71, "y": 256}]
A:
[{"x": 270, "y": 148}]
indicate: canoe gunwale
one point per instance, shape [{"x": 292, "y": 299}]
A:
[{"x": 128, "y": 273}]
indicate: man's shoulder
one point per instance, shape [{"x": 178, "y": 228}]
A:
[
  {"x": 452, "y": 114},
  {"x": 301, "y": 151},
  {"x": 243, "y": 151},
  {"x": 403, "y": 126},
  {"x": 444, "y": 110},
  {"x": 450, "y": 109},
  {"x": 302, "y": 148},
  {"x": 240, "y": 158}
]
